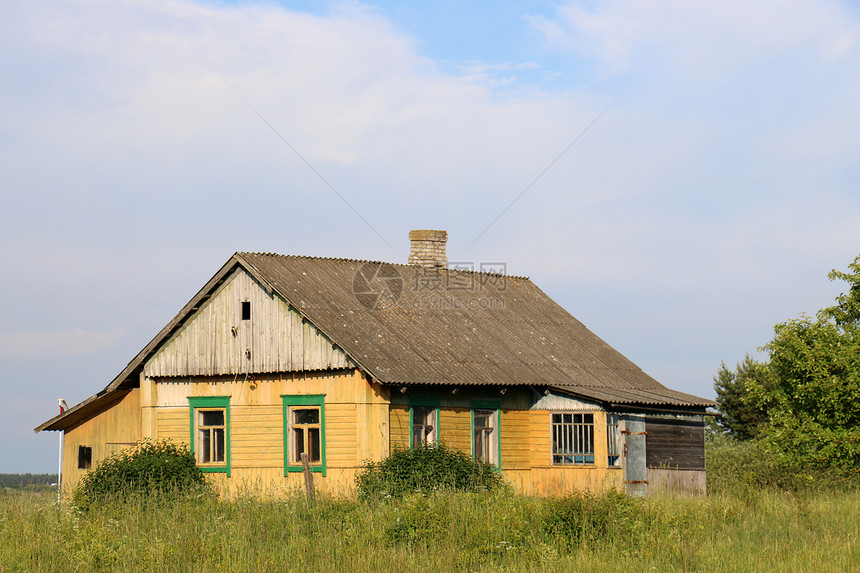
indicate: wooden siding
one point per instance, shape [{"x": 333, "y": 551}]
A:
[
  {"x": 173, "y": 424},
  {"x": 455, "y": 428},
  {"x": 516, "y": 439},
  {"x": 216, "y": 341},
  {"x": 539, "y": 476},
  {"x": 675, "y": 482},
  {"x": 399, "y": 421},
  {"x": 256, "y": 436},
  {"x": 674, "y": 444},
  {"x": 558, "y": 481},
  {"x": 356, "y": 424},
  {"x": 111, "y": 430},
  {"x": 526, "y": 446}
]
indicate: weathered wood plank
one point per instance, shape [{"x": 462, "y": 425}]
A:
[
  {"x": 216, "y": 340},
  {"x": 676, "y": 444}
]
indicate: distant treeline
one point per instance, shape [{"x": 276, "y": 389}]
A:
[{"x": 26, "y": 480}]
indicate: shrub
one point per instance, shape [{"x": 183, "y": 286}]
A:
[
  {"x": 584, "y": 517},
  {"x": 746, "y": 468},
  {"x": 426, "y": 468},
  {"x": 160, "y": 468}
]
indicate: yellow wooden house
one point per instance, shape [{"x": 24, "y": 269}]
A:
[{"x": 344, "y": 360}]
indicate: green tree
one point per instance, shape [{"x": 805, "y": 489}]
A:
[
  {"x": 812, "y": 391},
  {"x": 741, "y": 416}
]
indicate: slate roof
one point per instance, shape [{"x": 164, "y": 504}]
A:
[
  {"x": 410, "y": 325},
  {"x": 457, "y": 327}
]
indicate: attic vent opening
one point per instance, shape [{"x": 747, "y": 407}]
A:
[{"x": 246, "y": 310}]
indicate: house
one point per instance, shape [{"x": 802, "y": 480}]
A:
[{"x": 344, "y": 360}]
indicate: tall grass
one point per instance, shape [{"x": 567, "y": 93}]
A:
[
  {"x": 490, "y": 531},
  {"x": 755, "y": 518}
]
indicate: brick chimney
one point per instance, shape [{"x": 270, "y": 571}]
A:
[{"x": 428, "y": 248}]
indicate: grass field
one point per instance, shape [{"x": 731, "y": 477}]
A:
[
  {"x": 757, "y": 517},
  {"x": 771, "y": 531}
]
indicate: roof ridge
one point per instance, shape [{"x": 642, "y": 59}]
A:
[{"x": 349, "y": 260}]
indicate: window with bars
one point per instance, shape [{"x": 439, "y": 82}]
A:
[
  {"x": 613, "y": 441},
  {"x": 572, "y": 438}
]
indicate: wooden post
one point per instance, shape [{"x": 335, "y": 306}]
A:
[
  {"x": 60, "y": 467},
  {"x": 309, "y": 476}
]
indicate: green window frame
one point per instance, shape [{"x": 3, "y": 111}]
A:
[
  {"x": 485, "y": 447},
  {"x": 198, "y": 406},
  {"x": 303, "y": 405},
  {"x": 423, "y": 408}
]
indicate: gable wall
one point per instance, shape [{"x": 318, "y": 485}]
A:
[
  {"x": 215, "y": 340},
  {"x": 116, "y": 427}
]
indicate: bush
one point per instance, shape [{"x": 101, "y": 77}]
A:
[
  {"x": 158, "y": 469},
  {"x": 747, "y": 468},
  {"x": 426, "y": 468},
  {"x": 584, "y": 517}
]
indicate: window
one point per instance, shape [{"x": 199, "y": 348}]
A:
[
  {"x": 613, "y": 441},
  {"x": 246, "y": 310},
  {"x": 210, "y": 436},
  {"x": 424, "y": 426},
  {"x": 305, "y": 427},
  {"x": 572, "y": 438},
  {"x": 304, "y": 432},
  {"x": 485, "y": 432},
  {"x": 210, "y": 432},
  {"x": 424, "y": 421},
  {"x": 85, "y": 457}
]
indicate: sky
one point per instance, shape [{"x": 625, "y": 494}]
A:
[{"x": 679, "y": 175}]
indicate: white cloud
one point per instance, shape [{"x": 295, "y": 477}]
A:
[
  {"x": 46, "y": 345},
  {"x": 703, "y": 40},
  {"x": 706, "y": 204}
]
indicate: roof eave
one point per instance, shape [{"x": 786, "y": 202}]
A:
[
  {"x": 667, "y": 406},
  {"x": 80, "y": 411},
  {"x": 126, "y": 378}
]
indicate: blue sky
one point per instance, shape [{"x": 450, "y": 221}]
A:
[{"x": 707, "y": 202}]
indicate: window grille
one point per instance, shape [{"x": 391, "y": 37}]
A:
[{"x": 572, "y": 438}]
